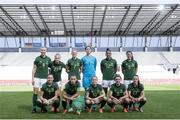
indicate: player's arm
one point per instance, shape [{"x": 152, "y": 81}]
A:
[
  {"x": 33, "y": 73},
  {"x": 87, "y": 96},
  {"x": 142, "y": 95},
  {"x": 130, "y": 96},
  {"x": 55, "y": 96},
  {"x": 102, "y": 94},
  {"x": 111, "y": 96},
  {"x": 115, "y": 67},
  {"x": 65, "y": 95},
  {"x": 76, "y": 94},
  {"x": 125, "y": 95},
  {"x": 123, "y": 67},
  {"x": 101, "y": 66},
  {"x": 80, "y": 68},
  {"x": 43, "y": 99},
  {"x": 136, "y": 69},
  {"x": 95, "y": 63}
]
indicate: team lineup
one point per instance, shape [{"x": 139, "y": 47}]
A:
[{"x": 46, "y": 81}]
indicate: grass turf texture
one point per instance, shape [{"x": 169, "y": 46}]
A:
[{"x": 161, "y": 104}]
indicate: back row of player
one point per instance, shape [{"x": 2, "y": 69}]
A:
[{"x": 74, "y": 66}]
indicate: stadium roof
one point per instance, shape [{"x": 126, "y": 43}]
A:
[{"x": 89, "y": 19}]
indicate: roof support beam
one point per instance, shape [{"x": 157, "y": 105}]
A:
[
  {"x": 150, "y": 23},
  {"x": 132, "y": 21},
  {"x": 102, "y": 22},
  {"x": 20, "y": 29},
  {"x": 118, "y": 30},
  {"x": 8, "y": 26},
  {"x": 160, "y": 22},
  {"x": 43, "y": 21},
  {"x": 92, "y": 24},
  {"x": 171, "y": 28},
  {"x": 74, "y": 28},
  {"x": 62, "y": 17},
  {"x": 33, "y": 21}
]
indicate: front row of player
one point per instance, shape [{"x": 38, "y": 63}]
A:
[{"x": 131, "y": 99}]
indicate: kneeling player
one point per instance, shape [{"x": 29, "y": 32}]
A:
[
  {"x": 95, "y": 95},
  {"x": 118, "y": 95},
  {"x": 136, "y": 94},
  {"x": 70, "y": 92},
  {"x": 49, "y": 95}
]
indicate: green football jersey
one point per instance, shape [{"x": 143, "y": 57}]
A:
[
  {"x": 129, "y": 69},
  {"x": 42, "y": 64},
  {"x": 94, "y": 91},
  {"x": 108, "y": 68},
  {"x": 118, "y": 91},
  {"x": 49, "y": 90},
  {"x": 135, "y": 89},
  {"x": 56, "y": 70},
  {"x": 72, "y": 89},
  {"x": 74, "y": 66}
]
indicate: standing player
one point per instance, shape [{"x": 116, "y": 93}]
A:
[
  {"x": 70, "y": 92},
  {"x": 136, "y": 93},
  {"x": 88, "y": 67},
  {"x": 74, "y": 66},
  {"x": 95, "y": 95},
  {"x": 108, "y": 68},
  {"x": 39, "y": 74},
  {"x": 129, "y": 68},
  {"x": 49, "y": 95},
  {"x": 118, "y": 95},
  {"x": 56, "y": 69}
]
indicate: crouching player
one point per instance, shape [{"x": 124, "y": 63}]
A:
[
  {"x": 95, "y": 95},
  {"x": 70, "y": 92},
  {"x": 49, "y": 95},
  {"x": 118, "y": 95},
  {"x": 136, "y": 94}
]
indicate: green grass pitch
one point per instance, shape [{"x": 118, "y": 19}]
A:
[{"x": 161, "y": 104}]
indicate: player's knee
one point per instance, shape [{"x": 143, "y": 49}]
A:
[
  {"x": 144, "y": 99},
  {"x": 109, "y": 100},
  {"x": 88, "y": 101}
]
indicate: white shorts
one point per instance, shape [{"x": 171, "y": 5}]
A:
[
  {"x": 107, "y": 83},
  {"x": 127, "y": 82},
  {"x": 38, "y": 82},
  {"x": 59, "y": 83}
]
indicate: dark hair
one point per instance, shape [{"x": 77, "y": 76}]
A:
[
  {"x": 50, "y": 74},
  {"x": 108, "y": 50},
  {"x": 87, "y": 47},
  {"x": 131, "y": 53},
  {"x": 117, "y": 75},
  {"x": 138, "y": 80}
]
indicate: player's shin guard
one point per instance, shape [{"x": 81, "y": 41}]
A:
[
  {"x": 111, "y": 104},
  {"x": 141, "y": 103},
  {"x": 56, "y": 104},
  {"x": 34, "y": 100},
  {"x": 39, "y": 104},
  {"x": 103, "y": 103},
  {"x": 125, "y": 104},
  {"x": 64, "y": 104}
]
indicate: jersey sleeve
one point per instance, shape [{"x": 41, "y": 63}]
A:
[
  {"x": 56, "y": 86},
  {"x": 101, "y": 66},
  {"x": 123, "y": 66},
  {"x": 115, "y": 65},
  {"x": 63, "y": 65},
  {"x": 78, "y": 87},
  {"x": 129, "y": 87},
  {"x": 142, "y": 87},
  {"x": 136, "y": 64},
  {"x": 43, "y": 88},
  {"x": 36, "y": 61}
]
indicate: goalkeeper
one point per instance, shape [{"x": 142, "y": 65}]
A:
[{"x": 49, "y": 96}]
